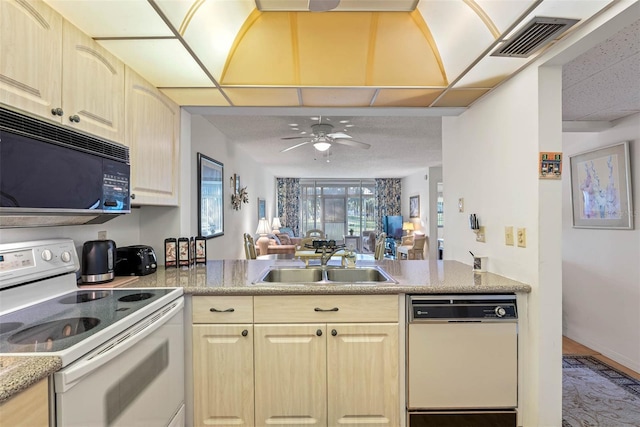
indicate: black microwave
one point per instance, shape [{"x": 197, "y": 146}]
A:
[{"x": 48, "y": 171}]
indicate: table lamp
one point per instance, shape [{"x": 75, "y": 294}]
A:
[
  {"x": 275, "y": 225},
  {"x": 408, "y": 227},
  {"x": 263, "y": 229}
]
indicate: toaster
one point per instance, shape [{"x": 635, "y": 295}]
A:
[{"x": 137, "y": 260}]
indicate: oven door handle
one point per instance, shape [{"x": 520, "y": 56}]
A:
[{"x": 68, "y": 377}]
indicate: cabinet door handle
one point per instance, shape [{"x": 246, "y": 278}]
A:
[
  {"x": 75, "y": 118},
  {"x": 228, "y": 310},
  {"x": 334, "y": 332},
  {"x": 57, "y": 111},
  {"x": 325, "y": 309},
  {"x": 319, "y": 332},
  {"x": 133, "y": 196},
  {"x": 245, "y": 333}
]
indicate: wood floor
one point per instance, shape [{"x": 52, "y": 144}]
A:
[{"x": 571, "y": 347}]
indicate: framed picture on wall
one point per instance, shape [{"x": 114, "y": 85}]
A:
[
  {"x": 262, "y": 210},
  {"x": 210, "y": 197},
  {"x": 414, "y": 207},
  {"x": 601, "y": 188}
]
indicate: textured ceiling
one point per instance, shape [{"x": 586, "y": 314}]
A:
[{"x": 604, "y": 82}]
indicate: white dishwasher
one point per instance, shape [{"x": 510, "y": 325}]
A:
[{"x": 462, "y": 367}]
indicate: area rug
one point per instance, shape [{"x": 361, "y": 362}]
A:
[{"x": 596, "y": 395}]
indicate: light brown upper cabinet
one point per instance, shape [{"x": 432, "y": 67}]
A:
[
  {"x": 51, "y": 69},
  {"x": 153, "y": 136}
]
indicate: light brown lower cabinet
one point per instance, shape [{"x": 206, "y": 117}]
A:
[
  {"x": 327, "y": 374},
  {"x": 223, "y": 375},
  {"x": 30, "y": 408},
  {"x": 304, "y": 371},
  {"x": 223, "y": 361}
]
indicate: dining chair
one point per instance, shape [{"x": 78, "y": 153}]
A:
[{"x": 380, "y": 246}]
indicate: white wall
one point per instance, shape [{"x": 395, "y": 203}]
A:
[
  {"x": 490, "y": 156},
  {"x": 600, "y": 270},
  {"x": 206, "y": 139},
  {"x": 124, "y": 230},
  {"x": 416, "y": 185}
]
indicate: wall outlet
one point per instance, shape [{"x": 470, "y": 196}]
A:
[
  {"x": 102, "y": 235},
  {"x": 461, "y": 204},
  {"x": 480, "y": 234},
  {"x": 508, "y": 235},
  {"x": 522, "y": 237}
]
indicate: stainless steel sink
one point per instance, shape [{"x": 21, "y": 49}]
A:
[
  {"x": 292, "y": 275},
  {"x": 357, "y": 275},
  {"x": 324, "y": 276}
]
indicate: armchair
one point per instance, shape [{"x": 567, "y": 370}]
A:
[{"x": 412, "y": 247}]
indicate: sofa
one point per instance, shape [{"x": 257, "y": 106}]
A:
[{"x": 280, "y": 243}]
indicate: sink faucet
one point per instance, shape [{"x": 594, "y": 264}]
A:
[{"x": 327, "y": 253}]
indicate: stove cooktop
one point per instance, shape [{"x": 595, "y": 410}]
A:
[{"x": 62, "y": 322}]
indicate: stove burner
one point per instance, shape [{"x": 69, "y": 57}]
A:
[
  {"x": 41, "y": 337},
  {"x": 136, "y": 297},
  {"x": 85, "y": 296},
  {"x": 9, "y": 326}
]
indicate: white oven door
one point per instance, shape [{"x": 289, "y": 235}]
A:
[{"x": 136, "y": 379}]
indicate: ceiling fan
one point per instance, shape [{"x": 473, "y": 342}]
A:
[
  {"x": 322, "y": 136},
  {"x": 323, "y": 5}
]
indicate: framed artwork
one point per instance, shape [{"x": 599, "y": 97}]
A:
[
  {"x": 601, "y": 188},
  {"x": 210, "y": 197},
  {"x": 262, "y": 210},
  {"x": 414, "y": 207}
]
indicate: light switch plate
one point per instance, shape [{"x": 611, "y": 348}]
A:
[
  {"x": 102, "y": 235},
  {"x": 461, "y": 204},
  {"x": 522, "y": 237},
  {"x": 508, "y": 235}
]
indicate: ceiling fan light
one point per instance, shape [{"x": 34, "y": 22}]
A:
[{"x": 322, "y": 146}]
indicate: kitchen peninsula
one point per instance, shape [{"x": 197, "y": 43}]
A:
[{"x": 263, "y": 309}]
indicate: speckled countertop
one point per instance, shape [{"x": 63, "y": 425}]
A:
[
  {"x": 19, "y": 373},
  {"x": 236, "y": 277}
]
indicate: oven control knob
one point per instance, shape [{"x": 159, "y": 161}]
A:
[
  {"x": 500, "y": 312},
  {"x": 47, "y": 255},
  {"x": 65, "y": 256}
]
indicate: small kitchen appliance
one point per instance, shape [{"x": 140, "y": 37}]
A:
[
  {"x": 53, "y": 175},
  {"x": 122, "y": 349},
  {"x": 136, "y": 260},
  {"x": 98, "y": 261}
]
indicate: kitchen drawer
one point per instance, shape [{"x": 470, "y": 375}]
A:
[
  {"x": 325, "y": 308},
  {"x": 222, "y": 309}
]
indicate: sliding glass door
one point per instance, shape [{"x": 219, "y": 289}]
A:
[{"x": 338, "y": 207}]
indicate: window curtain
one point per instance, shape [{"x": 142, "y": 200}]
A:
[
  {"x": 289, "y": 203},
  {"x": 388, "y": 199}
]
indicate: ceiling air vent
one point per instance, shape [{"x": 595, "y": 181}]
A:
[{"x": 536, "y": 34}]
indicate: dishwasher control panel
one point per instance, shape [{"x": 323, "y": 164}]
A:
[{"x": 462, "y": 308}]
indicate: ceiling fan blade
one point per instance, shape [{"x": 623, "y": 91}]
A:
[
  {"x": 352, "y": 143},
  {"x": 323, "y": 5},
  {"x": 295, "y": 146},
  {"x": 339, "y": 135},
  {"x": 295, "y": 137}
]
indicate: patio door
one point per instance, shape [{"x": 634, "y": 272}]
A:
[{"x": 334, "y": 217}]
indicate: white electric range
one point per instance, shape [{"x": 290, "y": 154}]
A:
[{"x": 122, "y": 350}]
